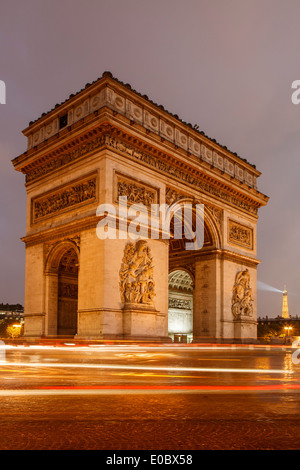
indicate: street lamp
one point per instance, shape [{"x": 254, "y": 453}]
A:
[
  {"x": 287, "y": 332},
  {"x": 14, "y": 330}
]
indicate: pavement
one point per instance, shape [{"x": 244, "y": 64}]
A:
[{"x": 70, "y": 395}]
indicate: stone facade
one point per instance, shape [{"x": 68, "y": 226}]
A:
[{"x": 107, "y": 144}]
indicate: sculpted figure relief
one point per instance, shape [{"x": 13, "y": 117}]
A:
[
  {"x": 136, "y": 274},
  {"x": 136, "y": 194},
  {"x": 242, "y": 302},
  {"x": 67, "y": 198}
]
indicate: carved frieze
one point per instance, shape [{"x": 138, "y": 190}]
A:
[
  {"x": 178, "y": 173},
  {"x": 136, "y": 192},
  {"x": 123, "y": 103},
  {"x": 160, "y": 164},
  {"x": 240, "y": 234},
  {"x": 179, "y": 303},
  {"x": 136, "y": 274},
  {"x": 173, "y": 196},
  {"x": 67, "y": 197},
  {"x": 242, "y": 302}
]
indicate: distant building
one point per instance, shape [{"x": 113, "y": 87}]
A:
[
  {"x": 278, "y": 328},
  {"x": 11, "y": 314}
]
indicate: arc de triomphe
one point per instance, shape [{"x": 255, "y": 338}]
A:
[{"x": 108, "y": 148}]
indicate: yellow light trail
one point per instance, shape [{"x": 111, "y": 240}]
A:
[{"x": 148, "y": 368}]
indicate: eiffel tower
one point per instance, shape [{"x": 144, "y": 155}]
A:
[{"x": 285, "y": 309}]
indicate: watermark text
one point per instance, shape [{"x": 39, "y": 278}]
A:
[
  {"x": 160, "y": 221},
  {"x": 2, "y": 92}
]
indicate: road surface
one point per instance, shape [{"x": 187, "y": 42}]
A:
[{"x": 143, "y": 397}]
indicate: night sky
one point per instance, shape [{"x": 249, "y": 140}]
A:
[{"x": 225, "y": 65}]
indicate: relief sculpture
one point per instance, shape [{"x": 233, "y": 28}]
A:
[
  {"x": 136, "y": 194},
  {"x": 136, "y": 274},
  {"x": 242, "y": 302},
  {"x": 240, "y": 234},
  {"x": 58, "y": 201}
]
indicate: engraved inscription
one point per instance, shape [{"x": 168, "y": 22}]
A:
[
  {"x": 179, "y": 303},
  {"x": 240, "y": 234}
]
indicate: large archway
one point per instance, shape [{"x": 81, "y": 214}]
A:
[{"x": 193, "y": 285}]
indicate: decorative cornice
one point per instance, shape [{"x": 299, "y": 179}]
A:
[
  {"x": 109, "y": 90},
  {"x": 61, "y": 232},
  {"x": 187, "y": 258},
  {"x": 181, "y": 171},
  {"x": 52, "y": 133},
  {"x": 67, "y": 153},
  {"x": 230, "y": 256}
]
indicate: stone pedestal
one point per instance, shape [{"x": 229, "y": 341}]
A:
[
  {"x": 34, "y": 325},
  {"x": 139, "y": 321},
  {"x": 100, "y": 323},
  {"x": 245, "y": 329}
]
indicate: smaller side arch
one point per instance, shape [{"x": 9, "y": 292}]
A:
[
  {"x": 56, "y": 252},
  {"x": 61, "y": 289}
]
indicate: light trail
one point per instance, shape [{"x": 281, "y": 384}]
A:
[
  {"x": 147, "y": 389},
  {"x": 147, "y": 368},
  {"x": 143, "y": 348}
]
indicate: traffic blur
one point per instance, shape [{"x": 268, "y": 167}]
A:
[{"x": 98, "y": 368}]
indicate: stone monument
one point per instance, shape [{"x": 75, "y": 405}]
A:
[{"x": 109, "y": 157}]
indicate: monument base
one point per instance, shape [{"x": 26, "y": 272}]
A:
[
  {"x": 141, "y": 321},
  {"x": 245, "y": 328}
]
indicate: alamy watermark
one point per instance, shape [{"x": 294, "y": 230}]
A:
[
  {"x": 159, "y": 221},
  {"x": 2, "y": 92},
  {"x": 296, "y": 354},
  {"x": 296, "y": 94}
]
